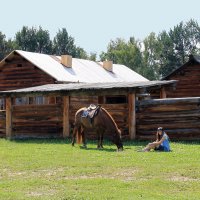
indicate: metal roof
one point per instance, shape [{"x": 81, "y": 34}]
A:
[
  {"x": 84, "y": 71},
  {"x": 84, "y": 87}
]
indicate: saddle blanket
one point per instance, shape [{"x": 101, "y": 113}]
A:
[{"x": 91, "y": 111}]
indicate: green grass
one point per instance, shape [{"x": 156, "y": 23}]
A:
[{"x": 52, "y": 169}]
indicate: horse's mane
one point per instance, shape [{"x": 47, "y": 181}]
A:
[{"x": 110, "y": 118}]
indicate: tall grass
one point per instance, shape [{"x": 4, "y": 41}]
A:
[{"x": 53, "y": 169}]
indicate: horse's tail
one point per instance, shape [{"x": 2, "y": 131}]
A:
[
  {"x": 77, "y": 126},
  {"x": 79, "y": 136}
]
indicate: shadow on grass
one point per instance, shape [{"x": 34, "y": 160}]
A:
[
  {"x": 95, "y": 149},
  {"x": 127, "y": 144},
  {"x": 41, "y": 141},
  {"x": 189, "y": 142}
]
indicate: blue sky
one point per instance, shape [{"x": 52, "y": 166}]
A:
[{"x": 93, "y": 23}]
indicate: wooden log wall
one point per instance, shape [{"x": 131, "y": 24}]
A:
[
  {"x": 37, "y": 121},
  {"x": 46, "y": 121},
  {"x": 19, "y": 73},
  {"x": 2, "y": 123},
  {"x": 188, "y": 84},
  {"x": 180, "y": 117}
]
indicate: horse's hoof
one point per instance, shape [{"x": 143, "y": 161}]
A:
[{"x": 119, "y": 150}]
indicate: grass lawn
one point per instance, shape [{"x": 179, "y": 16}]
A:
[{"x": 53, "y": 169}]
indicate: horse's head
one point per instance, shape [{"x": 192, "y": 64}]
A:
[{"x": 118, "y": 141}]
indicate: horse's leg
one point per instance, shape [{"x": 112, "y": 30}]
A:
[
  {"x": 74, "y": 135},
  {"x": 83, "y": 138},
  {"x": 101, "y": 140},
  {"x": 98, "y": 139}
]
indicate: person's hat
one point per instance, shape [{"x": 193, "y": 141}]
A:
[{"x": 160, "y": 128}]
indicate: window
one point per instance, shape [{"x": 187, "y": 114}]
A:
[
  {"x": 116, "y": 99},
  {"x": 19, "y": 65},
  {"x": 101, "y": 99},
  {"x": 39, "y": 100},
  {"x": 59, "y": 100},
  {"x": 21, "y": 101},
  {"x": 36, "y": 100},
  {"x": 2, "y": 104}
]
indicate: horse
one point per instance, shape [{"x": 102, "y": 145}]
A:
[{"x": 101, "y": 122}]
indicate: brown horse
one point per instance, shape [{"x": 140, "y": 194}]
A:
[{"x": 102, "y": 122}]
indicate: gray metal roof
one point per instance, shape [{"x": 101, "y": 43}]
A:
[
  {"x": 84, "y": 71},
  {"x": 83, "y": 87}
]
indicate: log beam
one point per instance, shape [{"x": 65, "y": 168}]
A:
[
  {"x": 8, "y": 118},
  {"x": 132, "y": 116},
  {"x": 163, "y": 94},
  {"x": 66, "y": 126}
]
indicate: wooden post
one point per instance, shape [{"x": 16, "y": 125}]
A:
[
  {"x": 163, "y": 94},
  {"x": 66, "y": 127},
  {"x": 132, "y": 116},
  {"x": 8, "y": 118}
]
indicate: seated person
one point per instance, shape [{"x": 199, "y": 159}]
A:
[{"x": 161, "y": 143}]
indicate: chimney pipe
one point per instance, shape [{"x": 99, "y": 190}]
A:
[
  {"x": 66, "y": 60},
  {"x": 108, "y": 65}
]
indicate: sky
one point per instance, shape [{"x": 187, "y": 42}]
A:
[{"x": 93, "y": 23}]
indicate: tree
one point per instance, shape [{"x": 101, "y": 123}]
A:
[
  {"x": 151, "y": 56},
  {"x": 122, "y": 52},
  {"x": 2, "y": 45},
  {"x": 26, "y": 39},
  {"x": 93, "y": 56},
  {"x": 63, "y": 43},
  {"x": 185, "y": 38},
  {"x": 81, "y": 53},
  {"x": 177, "y": 45},
  {"x": 31, "y": 39},
  {"x": 167, "y": 57},
  {"x": 44, "y": 44},
  {"x": 6, "y": 46}
]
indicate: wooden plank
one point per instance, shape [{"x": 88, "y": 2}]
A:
[
  {"x": 132, "y": 116},
  {"x": 8, "y": 117},
  {"x": 163, "y": 93},
  {"x": 171, "y": 101},
  {"x": 66, "y": 125}
]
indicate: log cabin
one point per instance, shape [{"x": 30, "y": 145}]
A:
[
  {"x": 43, "y": 92},
  {"x": 188, "y": 76}
]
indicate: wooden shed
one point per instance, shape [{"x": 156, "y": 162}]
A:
[
  {"x": 56, "y": 119},
  {"x": 188, "y": 76}
]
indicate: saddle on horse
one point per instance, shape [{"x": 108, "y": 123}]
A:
[{"x": 91, "y": 111}]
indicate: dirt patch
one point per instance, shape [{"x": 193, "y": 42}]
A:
[
  {"x": 47, "y": 172},
  {"x": 41, "y": 193},
  {"x": 182, "y": 178},
  {"x": 35, "y": 173},
  {"x": 125, "y": 174}
]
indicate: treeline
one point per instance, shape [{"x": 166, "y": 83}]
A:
[
  {"x": 154, "y": 57},
  {"x": 38, "y": 40},
  {"x": 157, "y": 55}
]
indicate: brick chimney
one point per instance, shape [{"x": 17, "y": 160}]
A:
[
  {"x": 108, "y": 65},
  {"x": 66, "y": 60}
]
